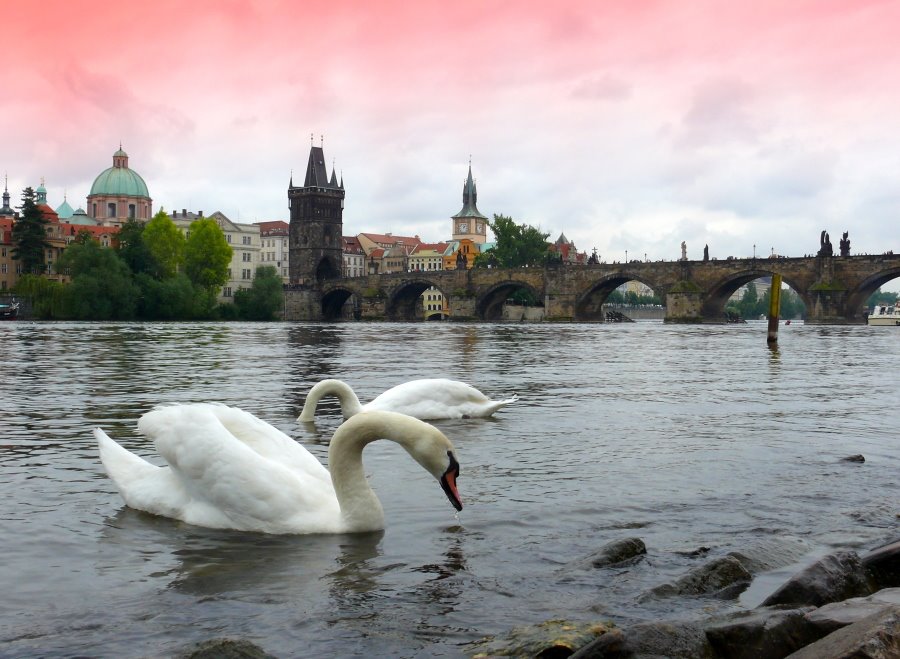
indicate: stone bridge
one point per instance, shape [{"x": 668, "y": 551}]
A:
[{"x": 834, "y": 289}]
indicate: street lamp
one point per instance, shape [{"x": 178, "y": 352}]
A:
[
  {"x": 754, "y": 250},
  {"x": 626, "y": 256}
]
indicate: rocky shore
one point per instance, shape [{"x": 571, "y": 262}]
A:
[{"x": 842, "y": 606}]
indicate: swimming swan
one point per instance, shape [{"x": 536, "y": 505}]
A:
[
  {"x": 435, "y": 398},
  {"x": 228, "y": 469}
]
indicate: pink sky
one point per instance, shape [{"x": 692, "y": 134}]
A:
[{"x": 627, "y": 125}]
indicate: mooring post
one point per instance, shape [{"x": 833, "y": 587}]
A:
[{"x": 774, "y": 307}]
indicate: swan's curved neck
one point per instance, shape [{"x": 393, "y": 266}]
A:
[
  {"x": 349, "y": 402},
  {"x": 359, "y": 504}
]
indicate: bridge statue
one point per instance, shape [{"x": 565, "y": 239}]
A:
[
  {"x": 461, "y": 260},
  {"x": 683, "y": 251},
  {"x": 825, "y": 248},
  {"x": 845, "y": 245},
  {"x": 706, "y": 252}
]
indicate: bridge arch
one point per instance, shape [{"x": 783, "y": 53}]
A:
[
  {"x": 489, "y": 305},
  {"x": 856, "y": 298},
  {"x": 333, "y": 302},
  {"x": 589, "y": 304},
  {"x": 720, "y": 292},
  {"x": 405, "y": 301}
]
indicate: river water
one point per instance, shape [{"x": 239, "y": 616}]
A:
[{"x": 683, "y": 436}]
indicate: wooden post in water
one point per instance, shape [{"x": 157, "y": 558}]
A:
[{"x": 774, "y": 307}]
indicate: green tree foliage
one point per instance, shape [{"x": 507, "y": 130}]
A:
[
  {"x": 166, "y": 245},
  {"x": 883, "y": 298},
  {"x": 47, "y": 297},
  {"x": 265, "y": 297},
  {"x": 101, "y": 287},
  {"x": 207, "y": 256},
  {"x": 516, "y": 245},
  {"x": 175, "y": 298},
  {"x": 29, "y": 235},
  {"x": 133, "y": 250}
]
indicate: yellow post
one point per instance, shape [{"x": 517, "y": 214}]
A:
[{"x": 774, "y": 307}]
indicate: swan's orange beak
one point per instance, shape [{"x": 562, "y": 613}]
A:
[{"x": 448, "y": 482}]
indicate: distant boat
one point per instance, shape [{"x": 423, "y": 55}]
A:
[
  {"x": 885, "y": 314},
  {"x": 9, "y": 311}
]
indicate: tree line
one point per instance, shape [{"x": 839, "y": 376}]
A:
[{"x": 151, "y": 272}]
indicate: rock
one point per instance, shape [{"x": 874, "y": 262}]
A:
[
  {"x": 874, "y": 637},
  {"x": 853, "y": 458},
  {"x": 674, "y": 640},
  {"x": 225, "y": 648},
  {"x": 832, "y": 578},
  {"x": 723, "y": 577},
  {"x": 549, "y": 639},
  {"x": 883, "y": 565},
  {"x": 763, "y": 633},
  {"x": 613, "y": 553},
  {"x": 773, "y": 552},
  {"x": 832, "y": 617}
]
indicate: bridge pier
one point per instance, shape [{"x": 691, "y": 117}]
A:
[
  {"x": 302, "y": 304},
  {"x": 684, "y": 303},
  {"x": 462, "y": 306},
  {"x": 559, "y": 306}
]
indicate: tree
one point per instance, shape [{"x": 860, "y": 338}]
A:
[
  {"x": 881, "y": 297},
  {"x": 166, "y": 244},
  {"x": 207, "y": 256},
  {"x": 133, "y": 250},
  {"x": 175, "y": 298},
  {"x": 29, "y": 235},
  {"x": 516, "y": 245},
  {"x": 101, "y": 287},
  {"x": 265, "y": 297}
]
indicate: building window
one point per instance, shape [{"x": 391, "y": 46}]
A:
[
  {"x": 110, "y": 210},
  {"x": 131, "y": 211},
  {"x": 228, "y": 238},
  {"x": 246, "y": 256},
  {"x": 245, "y": 274},
  {"x": 246, "y": 240},
  {"x": 226, "y": 292}
]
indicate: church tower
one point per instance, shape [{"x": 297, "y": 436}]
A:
[
  {"x": 468, "y": 222},
  {"x": 317, "y": 210}
]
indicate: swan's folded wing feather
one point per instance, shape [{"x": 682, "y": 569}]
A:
[
  {"x": 143, "y": 485},
  {"x": 228, "y": 476},
  {"x": 436, "y": 398}
]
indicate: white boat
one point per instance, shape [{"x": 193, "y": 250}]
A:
[{"x": 883, "y": 314}]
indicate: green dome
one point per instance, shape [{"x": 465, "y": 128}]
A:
[{"x": 120, "y": 181}]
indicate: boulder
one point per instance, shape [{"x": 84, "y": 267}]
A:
[
  {"x": 764, "y": 633},
  {"x": 832, "y": 578},
  {"x": 225, "y": 648},
  {"x": 723, "y": 577},
  {"x": 552, "y": 638},
  {"x": 832, "y": 617},
  {"x": 617, "y": 552},
  {"x": 874, "y": 637},
  {"x": 883, "y": 565},
  {"x": 674, "y": 640}
]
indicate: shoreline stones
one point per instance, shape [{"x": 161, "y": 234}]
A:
[{"x": 841, "y": 606}]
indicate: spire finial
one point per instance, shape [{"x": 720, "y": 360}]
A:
[
  {"x": 322, "y": 141},
  {"x": 42, "y": 180},
  {"x": 310, "y": 140}
]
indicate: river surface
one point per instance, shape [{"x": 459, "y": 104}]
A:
[{"x": 687, "y": 437}]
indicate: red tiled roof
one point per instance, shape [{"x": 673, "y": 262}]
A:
[
  {"x": 273, "y": 228},
  {"x": 387, "y": 239},
  {"x": 437, "y": 247}
]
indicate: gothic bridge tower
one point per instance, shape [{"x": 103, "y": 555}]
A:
[{"x": 317, "y": 210}]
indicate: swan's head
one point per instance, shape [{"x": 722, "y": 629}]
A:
[{"x": 436, "y": 454}]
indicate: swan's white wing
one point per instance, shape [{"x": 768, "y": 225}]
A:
[
  {"x": 436, "y": 398},
  {"x": 267, "y": 440},
  {"x": 143, "y": 486},
  {"x": 226, "y": 477}
]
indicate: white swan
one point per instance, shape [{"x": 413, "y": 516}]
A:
[
  {"x": 435, "y": 398},
  {"x": 228, "y": 469}
]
